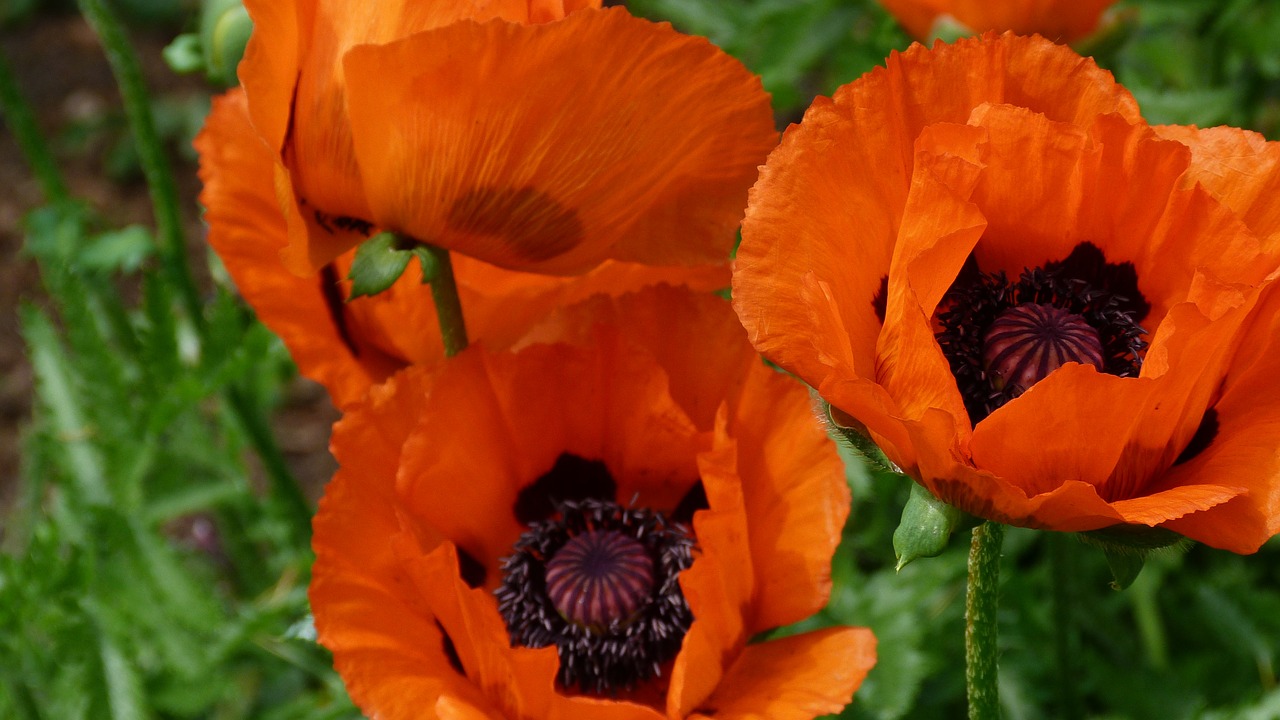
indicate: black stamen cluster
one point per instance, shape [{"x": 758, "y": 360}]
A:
[
  {"x": 1104, "y": 294},
  {"x": 630, "y": 650}
]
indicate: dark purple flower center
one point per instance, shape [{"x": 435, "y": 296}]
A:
[
  {"x": 600, "y": 580},
  {"x": 1027, "y": 342},
  {"x": 1002, "y": 336}
]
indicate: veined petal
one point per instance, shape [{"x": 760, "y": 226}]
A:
[
  {"x": 492, "y": 147},
  {"x": 795, "y": 678},
  {"x": 347, "y": 346}
]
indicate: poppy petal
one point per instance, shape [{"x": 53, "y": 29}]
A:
[
  {"x": 347, "y": 346},
  {"x": 1240, "y": 446},
  {"x": 248, "y": 231},
  {"x": 426, "y": 429},
  {"x": 665, "y": 130},
  {"x": 1239, "y": 168},
  {"x": 795, "y": 678},
  {"x": 795, "y": 496},
  {"x": 811, "y": 203},
  {"x": 718, "y": 585}
]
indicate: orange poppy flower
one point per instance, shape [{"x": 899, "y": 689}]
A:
[
  {"x": 509, "y": 535},
  {"x": 540, "y": 136},
  {"x": 1029, "y": 298},
  {"x": 1060, "y": 20},
  {"x": 347, "y": 346}
]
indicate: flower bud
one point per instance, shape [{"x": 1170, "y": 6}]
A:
[
  {"x": 224, "y": 31},
  {"x": 925, "y": 528}
]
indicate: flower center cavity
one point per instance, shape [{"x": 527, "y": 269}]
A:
[
  {"x": 599, "y": 582},
  {"x": 1000, "y": 337}
]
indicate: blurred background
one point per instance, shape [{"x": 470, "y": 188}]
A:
[{"x": 160, "y": 457}]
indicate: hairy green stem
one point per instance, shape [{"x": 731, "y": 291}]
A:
[
  {"x": 284, "y": 489},
  {"x": 151, "y": 153},
  {"x": 1066, "y": 641},
  {"x": 26, "y": 131},
  {"x": 981, "y": 605},
  {"x": 444, "y": 293}
]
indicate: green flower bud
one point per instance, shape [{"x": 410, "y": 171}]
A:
[
  {"x": 925, "y": 528},
  {"x": 224, "y": 31}
]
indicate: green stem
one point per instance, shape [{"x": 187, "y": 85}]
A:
[
  {"x": 444, "y": 293},
  {"x": 151, "y": 153},
  {"x": 1143, "y": 595},
  {"x": 26, "y": 131},
  {"x": 981, "y": 605},
  {"x": 1062, "y": 558},
  {"x": 284, "y": 489}
]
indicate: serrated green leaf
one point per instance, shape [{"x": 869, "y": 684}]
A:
[
  {"x": 54, "y": 380},
  {"x": 378, "y": 263},
  {"x": 121, "y": 250}
]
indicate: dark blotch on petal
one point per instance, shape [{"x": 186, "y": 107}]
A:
[
  {"x": 1204, "y": 436},
  {"x": 472, "y": 570},
  {"x": 332, "y": 224},
  {"x": 533, "y": 225},
  {"x": 571, "y": 478},
  {"x": 880, "y": 301},
  {"x": 692, "y": 502},
  {"x": 450, "y": 650},
  {"x": 331, "y": 290}
]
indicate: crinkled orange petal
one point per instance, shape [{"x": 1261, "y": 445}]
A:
[
  {"x": 1242, "y": 451},
  {"x": 1239, "y": 168},
  {"x": 713, "y": 357},
  {"x": 719, "y": 585},
  {"x": 507, "y": 425},
  {"x": 1072, "y": 506},
  {"x": 247, "y": 230},
  {"x": 795, "y": 496},
  {"x": 795, "y": 678},
  {"x": 484, "y": 425},
  {"x": 348, "y": 346},
  {"x": 939, "y": 229},
  {"x": 1058, "y": 20},
  {"x": 503, "y": 144},
  {"x": 293, "y": 74},
  {"x": 517, "y": 681},
  {"x": 1073, "y": 425},
  {"x": 825, "y": 215},
  {"x": 386, "y": 643}
]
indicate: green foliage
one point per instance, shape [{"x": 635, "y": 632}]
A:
[
  {"x": 800, "y": 49},
  {"x": 150, "y": 578}
]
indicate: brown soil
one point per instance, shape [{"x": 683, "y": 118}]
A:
[{"x": 62, "y": 72}]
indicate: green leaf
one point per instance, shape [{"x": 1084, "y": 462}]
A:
[
  {"x": 378, "y": 263},
  {"x": 119, "y": 250},
  {"x": 57, "y": 390},
  {"x": 124, "y": 687},
  {"x": 1125, "y": 567}
]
